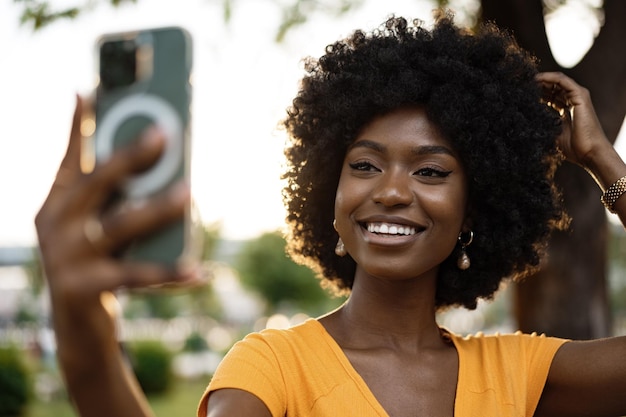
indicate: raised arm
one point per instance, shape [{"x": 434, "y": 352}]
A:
[
  {"x": 588, "y": 378},
  {"x": 583, "y": 141},
  {"x": 76, "y": 241}
]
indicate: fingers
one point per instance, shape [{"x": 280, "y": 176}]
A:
[
  {"x": 78, "y": 250},
  {"x": 79, "y": 234},
  {"x": 69, "y": 170},
  {"x": 74, "y": 232},
  {"x": 576, "y": 97},
  {"x": 92, "y": 278},
  {"x": 582, "y": 135},
  {"x": 564, "y": 89},
  {"x": 110, "y": 176},
  {"x": 71, "y": 160},
  {"x": 110, "y": 228},
  {"x": 558, "y": 78},
  {"x": 553, "y": 95},
  {"x": 75, "y": 197},
  {"x": 87, "y": 281},
  {"x": 133, "y": 220}
]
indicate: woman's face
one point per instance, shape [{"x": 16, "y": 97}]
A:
[{"x": 402, "y": 196}]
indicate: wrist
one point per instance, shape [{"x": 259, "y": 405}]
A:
[
  {"x": 604, "y": 164},
  {"x": 608, "y": 169},
  {"x": 614, "y": 192},
  {"x": 84, "y": 332}
]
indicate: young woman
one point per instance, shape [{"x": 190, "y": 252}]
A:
[{"x": 420, "y": 175}]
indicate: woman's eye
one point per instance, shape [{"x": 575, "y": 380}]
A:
[
  {"x": 432, "y": 172},
  {"x": 363, "y": 166}
]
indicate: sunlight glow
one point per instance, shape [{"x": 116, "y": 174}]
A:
[{"x": 243, "y": 82}]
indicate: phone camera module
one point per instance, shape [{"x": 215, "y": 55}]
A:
[{"x": 118, "y": 64}]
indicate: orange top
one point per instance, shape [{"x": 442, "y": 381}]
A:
[{"x": 303, "y": 372}]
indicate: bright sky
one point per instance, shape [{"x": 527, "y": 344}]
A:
[{"x": 243, "y": 81}]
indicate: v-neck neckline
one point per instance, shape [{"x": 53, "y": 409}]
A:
[{"x": 360, "y": 382}]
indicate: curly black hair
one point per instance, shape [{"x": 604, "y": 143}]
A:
[{"x": 479, "y": 88}]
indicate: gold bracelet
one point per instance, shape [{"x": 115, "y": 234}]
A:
[{"x": 611, "y": 194}]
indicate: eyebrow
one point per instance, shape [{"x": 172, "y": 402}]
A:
[
  {"x": 418, "y": 150},
  {"x": 432, "y": 149}
]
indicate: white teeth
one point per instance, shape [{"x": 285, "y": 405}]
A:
[{"x": 390, "y": 229}]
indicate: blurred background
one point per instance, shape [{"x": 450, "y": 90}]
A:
[{"x": 247, "y": 63}]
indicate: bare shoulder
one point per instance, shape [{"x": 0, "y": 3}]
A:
[
  {"x": 230, "y": 402},
  {"x": 587, "y": 378}
]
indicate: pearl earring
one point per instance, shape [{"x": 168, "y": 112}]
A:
[
  {"x": 340, "y": 249},
  {"x": 463, "y": 262}
]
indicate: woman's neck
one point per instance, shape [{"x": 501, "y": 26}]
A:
[{"x": 396, "y": 314}]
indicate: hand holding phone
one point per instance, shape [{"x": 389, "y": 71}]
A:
[{"x": 144, "y": 80}]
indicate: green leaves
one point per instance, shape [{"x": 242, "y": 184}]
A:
[
  {"x": 40, "y": 14},
  {"x": 265, "y": 267}
]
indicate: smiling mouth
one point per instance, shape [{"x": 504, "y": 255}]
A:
[{"x": 390, "y": 229}]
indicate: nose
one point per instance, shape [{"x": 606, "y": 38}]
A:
[{"x": 393, "y": 189}]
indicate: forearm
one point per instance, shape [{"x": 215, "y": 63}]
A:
[
  {"x": 80, "y": 265},
  {"x": 98, "y": 379}
]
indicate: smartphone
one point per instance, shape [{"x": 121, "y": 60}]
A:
[{"x": 144, "y": 78}]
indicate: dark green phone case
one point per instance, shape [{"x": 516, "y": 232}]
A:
[{"x": 159, "y": 93}]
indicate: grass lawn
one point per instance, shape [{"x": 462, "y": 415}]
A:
[{"x": 181, "y": 400}]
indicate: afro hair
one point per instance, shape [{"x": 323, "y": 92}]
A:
[{"x": 479, "y": 88}]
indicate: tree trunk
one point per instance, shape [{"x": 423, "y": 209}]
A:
[{"x": 568, "y": 297}]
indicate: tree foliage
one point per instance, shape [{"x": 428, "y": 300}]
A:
[
  {"x": 152, "y": 364},
  {"x": 265, "y": 267},
  {"x": 15, "y": 383},
  {"x": 41, "y": 13}
]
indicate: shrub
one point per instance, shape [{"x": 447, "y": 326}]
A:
[
  {"x": 15, "y": 383},
  {"x": 152, "y": 364},
  {"x": 195, "y": 343}
]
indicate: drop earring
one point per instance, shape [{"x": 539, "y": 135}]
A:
[
  {"x": 340, "y": 249},
  {"x": 463, "y": 262}
]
